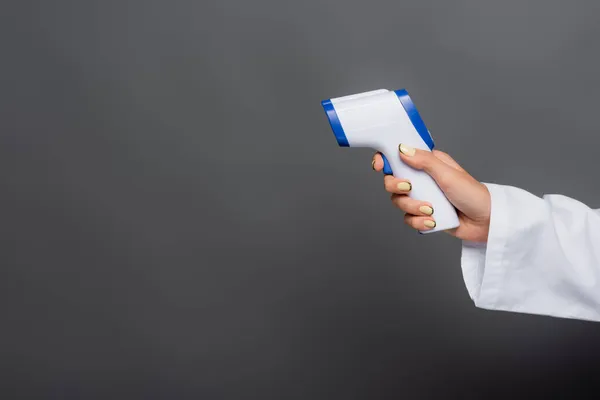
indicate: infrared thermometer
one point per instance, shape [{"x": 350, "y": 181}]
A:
[{"x": 383, "y": 119}]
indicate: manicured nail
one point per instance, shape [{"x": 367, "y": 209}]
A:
[
  {"x": 429, "y": 223},
  {"x": 404, "y": 186},
  {"x": 426, "y": 210},
  {"x": 406, "y": 150}
]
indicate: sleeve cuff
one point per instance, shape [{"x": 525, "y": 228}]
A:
[
  {"x": 540, "y": 257},
  {"x": 482, "y": 263}
]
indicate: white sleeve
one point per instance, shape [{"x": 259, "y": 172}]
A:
[{"x": 542, "y": 256}]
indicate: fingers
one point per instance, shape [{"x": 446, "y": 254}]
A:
[
  {"x": 419, "y": 214},
  {"x": 391, "y": 184},
  {"x": 443, "y": 169},
  {"x": 419, "y": 223},
  {"x": 445, "y": 157},
  {"x": 377, "y": 163},
  {"x": 395, "y": 185},
  {"x": 454, "y": 181},
  {"x": 423, "y": 160},
  {"x": 412, "y": 206}
]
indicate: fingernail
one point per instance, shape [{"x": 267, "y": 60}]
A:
[
  {"x": 404, "y": 186},
  {"x": 426, "y": 210},
  {"x": 406, "y": 150},
  {"x": 429, "y": 223},
  {"x": 373, "y": 165}
]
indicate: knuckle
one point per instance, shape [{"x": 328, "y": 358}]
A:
[
  {"x": 420, "y": 162},
  {"x": 399, "y": 201},
  {"x": 388, "y": 184},
  {"x": 404, "y": 205},
  {"x": 412, "y": 221}
]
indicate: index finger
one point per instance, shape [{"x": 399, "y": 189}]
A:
[{"x": 377, "y": 163}]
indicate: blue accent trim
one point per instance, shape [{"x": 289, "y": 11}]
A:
[
  {"x": 334, "y": 121},
  {"x": 414, "y": 116},
  {"x": 387, "y": 169}
]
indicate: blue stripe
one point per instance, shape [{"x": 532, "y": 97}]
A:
[
  {"x": 414, "y": 116},
  {"x": 334, "y": 121},
  {"x": 387, "y": 168}
]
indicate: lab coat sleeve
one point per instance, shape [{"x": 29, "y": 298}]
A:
[{"x": 542, "y": 256}]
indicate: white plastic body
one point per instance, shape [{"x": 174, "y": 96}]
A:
[{"x": 378, "y": 120}]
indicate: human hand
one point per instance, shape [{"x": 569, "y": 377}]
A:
[{"x": 470, "y": 197}]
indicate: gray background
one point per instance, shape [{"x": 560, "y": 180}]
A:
[{"x": 178, "y": 222}]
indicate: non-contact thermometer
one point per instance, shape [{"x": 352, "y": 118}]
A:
[{"x": 382, "y": 119}]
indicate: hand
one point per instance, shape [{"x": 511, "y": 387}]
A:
[{"x": 470, "y": 197}]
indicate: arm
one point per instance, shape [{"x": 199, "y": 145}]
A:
[
  {"x": 542, "y": 256},
  {"x": 520, "y": 252}
]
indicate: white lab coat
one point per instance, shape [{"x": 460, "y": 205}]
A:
[{"x": 542, "y": 256}]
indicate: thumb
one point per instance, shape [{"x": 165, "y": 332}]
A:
[
  {"x": 444, "y": 172},
  {"x": 466, "y": 193},
  {"x": 445, "y": 157}
]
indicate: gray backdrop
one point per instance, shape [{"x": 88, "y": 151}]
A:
[{"x": 178, "y": 222}]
